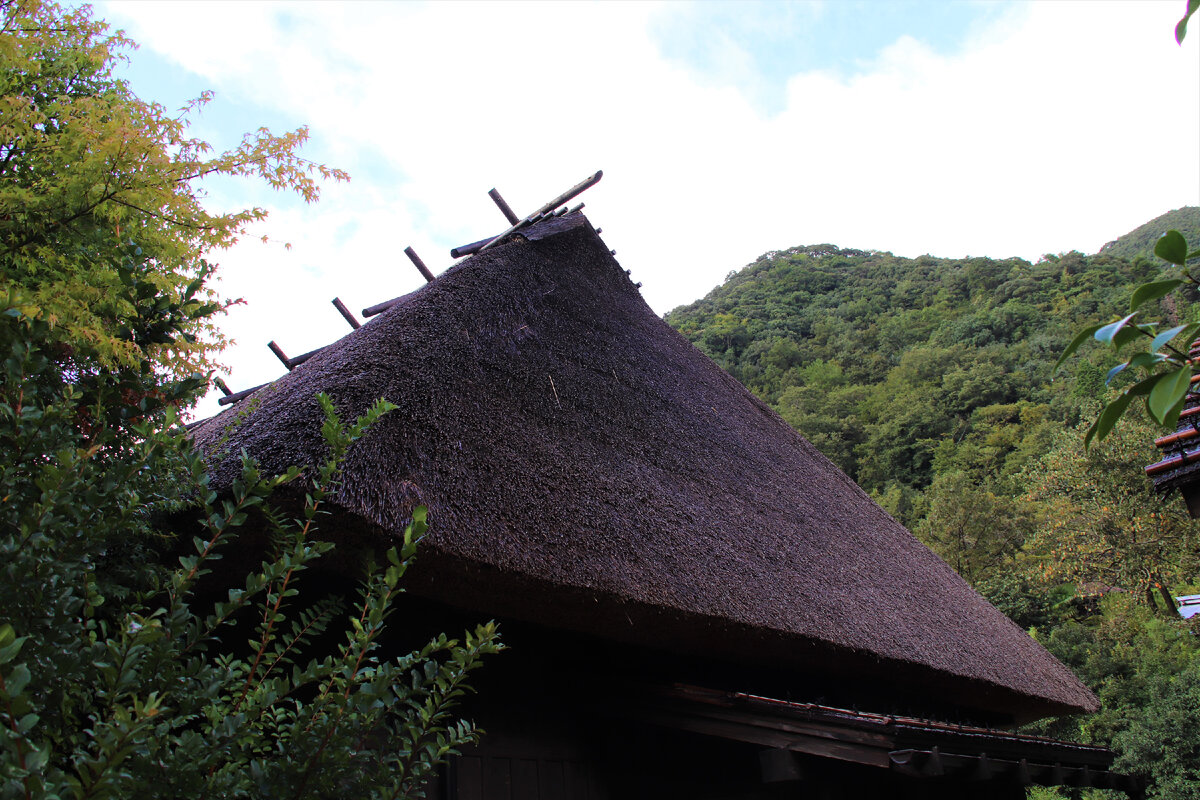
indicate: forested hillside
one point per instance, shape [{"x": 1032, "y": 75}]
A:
[
  {"x": 906, "y": 372},
  {"x": 901, "y": 370},
  {"x": 929, "y": 381},
  {"x": 1140, "y": 241}
]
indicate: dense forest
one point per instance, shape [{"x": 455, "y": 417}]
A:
[{"x": 931, "y": 382}]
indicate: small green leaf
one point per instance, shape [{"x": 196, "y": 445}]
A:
[
  {"x": 1129, "y": 333},
  {"x": 1115, "y": 371},
  {"x": 1171, "y": 420},
  {"x": 1107, "y": 332},
  {"x": 9, "y": 648},
  {"x": 1172, "y": 247},
  {"x": 1181, "y": 26},
  {"x": 1152, "y": 291},
  {"x": 1167, "y": 392},
  {"x": 17, "y": 680},
  {"x": 1079, "y": 339},
  {"x": 1113, "y": 412},
  {"x": 1146, "y": 359},
  {"x": 1165, "y": 337},
  {"x": 36, "y": 760},
  {"x": 1108, "y": 417}
]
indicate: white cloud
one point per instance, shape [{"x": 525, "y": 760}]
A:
[{"x": 1048, "y": 131}]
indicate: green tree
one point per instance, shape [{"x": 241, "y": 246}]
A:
[
  {"x": 1160, "y": 737},
  {"x": 1143, "y": 668},
  {"x": 973, "y": 529},
  {"x": 86, "y": 167},
  {"x": 118, "y": 676},
  {"x": 1102, "y": 528},
  {"x": 726, "y": 333}
]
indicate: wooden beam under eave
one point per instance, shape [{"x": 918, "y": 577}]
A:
[
  {"x": 770, "y": 737},
  {"x": 1191, "y": 498}
]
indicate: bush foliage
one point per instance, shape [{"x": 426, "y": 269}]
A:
[
  {"x": 118, "y": 680},
  {"x": 126, "y": 668}
]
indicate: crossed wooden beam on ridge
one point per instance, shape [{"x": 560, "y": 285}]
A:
[{"x": 555, "y": 208}]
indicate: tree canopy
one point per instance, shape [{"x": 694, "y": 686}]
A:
[
  {"x": 120, "y": 674},
  {"x": 87, "y": 169}
]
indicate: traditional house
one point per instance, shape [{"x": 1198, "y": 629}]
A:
[{"x": 698, "y": 603}]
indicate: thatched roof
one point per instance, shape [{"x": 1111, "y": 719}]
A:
[{"x": 585, "y": 467}]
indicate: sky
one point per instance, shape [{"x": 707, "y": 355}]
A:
[{"x": 725, "y": 130}]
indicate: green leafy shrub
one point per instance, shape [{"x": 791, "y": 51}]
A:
[
  {"x": 120, "y": 676},
  {"x": 1144, "y": 668},
  {"x": 117, "y": 680},
  {"x": 1020, "y": 599},
  {"x": 1161, "y": 739}
]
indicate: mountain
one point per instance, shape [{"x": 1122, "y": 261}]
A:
[
  {"x": 929, "y": 381},
  {"x": 1140, "y": 241},
  {"x": 902, "y": 370}
]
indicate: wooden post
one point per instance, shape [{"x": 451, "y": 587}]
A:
[
  {"x": 420, "y": 265},
  {"x": 379, "y": 308},
  {"x": 278, "y": 351},
  {"x": 1024, "y": 776},
  {"x": 933, "y": 764},
  {"x": 508, "y": 213},
  {"x": 233, "y": 398},
  {"x": 345, "y": 312},
  {"x": 570, "y": 194}
]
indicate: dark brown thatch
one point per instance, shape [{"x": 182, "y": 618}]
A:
[{"x": 586, "y": 467}]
